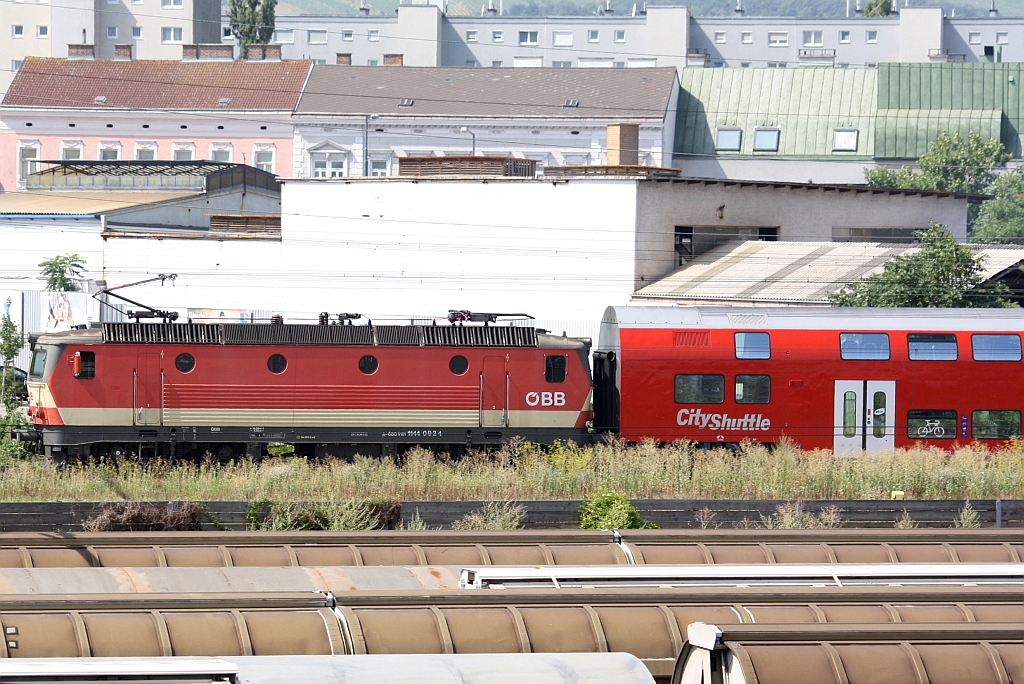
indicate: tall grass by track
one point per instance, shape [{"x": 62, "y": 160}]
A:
[{"x": 524, "y": 471}]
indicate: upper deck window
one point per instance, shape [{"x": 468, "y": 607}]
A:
[
  {"x": 700, "y": 389},
  {"x": 932, "y": 347},
  {"x": 753, "y": 345},
  {"x": 38, "y": 365},
  {"x": 864, "y": 346},
  {"x": 996, "y": 347}
]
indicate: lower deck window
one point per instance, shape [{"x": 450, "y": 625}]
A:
[
  {"x": 931, "y": 424},
  {"x": 700, "y": 389},
  {"x": 995, "y": 424},
  {"x": 753, "y": 389}
]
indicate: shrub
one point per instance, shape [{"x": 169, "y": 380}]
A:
[
  {"x": 611, "y": 511},
  {"x": 353, "y": 515},
  {"x": 495, "y": 515},
  {"x": 791, "y": 516},
  {"x": 136, "y": 516},
  {"x": 968, "y": 518}
]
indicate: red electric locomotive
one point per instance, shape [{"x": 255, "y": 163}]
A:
[
  {"x": 181, "y": 390},
  {"x": 848, "y": 379}
]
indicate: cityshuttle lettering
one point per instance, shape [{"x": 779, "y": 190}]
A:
[
  {"x": 722, "y": 421},
  {"x": 545, "y": 398}
]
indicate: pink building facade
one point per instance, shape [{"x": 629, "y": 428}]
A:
[{"x": 233, "y": 111}]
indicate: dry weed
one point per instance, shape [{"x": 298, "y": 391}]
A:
[{"x": 134, "y": 516}]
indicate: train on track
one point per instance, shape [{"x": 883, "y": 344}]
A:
[{"x": 845, "y": 379}]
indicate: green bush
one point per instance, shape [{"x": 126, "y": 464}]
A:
[
  {"x": 611, "y": 511},
  {"x": 282, "y": 517},
  {"x": 495, "y": 515}
]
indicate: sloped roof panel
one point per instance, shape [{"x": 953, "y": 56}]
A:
[
  {"x": 54, "y": 203},
  {"x": 907, "y": 133}
]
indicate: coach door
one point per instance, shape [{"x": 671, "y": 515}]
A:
[
  {"x": 865, "y": 415},
  {"x": 148, "y": 390},
  {"x": 493, "y": 392}
]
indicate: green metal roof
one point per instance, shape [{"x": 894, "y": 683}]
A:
[{"x": 806, "y": 104}]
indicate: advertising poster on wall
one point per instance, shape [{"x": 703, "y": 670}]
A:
[
  {"x": 220, "y": 316},
  {"x": 10, "y": 305},
  {"x": 66, "y": 310}
]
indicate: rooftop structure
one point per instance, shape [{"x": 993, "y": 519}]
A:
[{"x": 200, "y": 176}]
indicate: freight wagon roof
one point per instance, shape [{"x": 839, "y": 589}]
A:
[{"x": 813, "y": 318}]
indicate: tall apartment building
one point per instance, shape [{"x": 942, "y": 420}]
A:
[{"x": 154, "y": 29}]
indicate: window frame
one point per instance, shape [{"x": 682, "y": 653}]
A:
[
  {"x": 888, "y": 347},
  {"x": 348, "y": 34},
  {"x": 746, "y": 37},
  {"x": 41, "y": 355},
  {"x": 529, "y": 37},
  {"x": 974, "y": 348},
  {"x": 871, "y": 37},
  {"x": 318, "y": 32},
  {"x": 768, "y": 129},
  {"x": 593, "y": 36},
  {"x": 720, "y": 38},
  {"x": 497, "y": 36},
  {"x": 737, "y": 347},
  {"x": 17, "y": 31},
  {"x": 845, "y": 36},
  {"x": 910, "y": 347},
  {"x": 28, "y": 165},
  {"x": 812, "y": 43},
  {"x": 373, "y": 35},
  {"x": 736, "y": 382},
  {"x": 137, "y": 33},
  {"x": 778, "y": 39},
  {"x": 556, "y": 368},
  {"x": 87, "y": 372},
  {"x": 170, "y": 31},
  {"x": 835, "y": 139},
  {"x": 562, "y": 34},
  {"x": 280, "y": 36},
  {"x": 472, "y": 36},
  {"x": 675, "y": 387},
  {"x": 728, "y": 129},
  {"x": 1002, "y": 37},
  {"x": 43, "y": 31},
  {"x": 974, "y": 424},
  {"x": 619, "y": 36},
  {"x": 115, "y": 31},
  {"x": 974, "y": 37}
]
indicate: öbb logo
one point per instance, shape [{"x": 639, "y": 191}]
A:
[
  {"x": 545, "y": 398},
  {"x": 722, "y": 421}
]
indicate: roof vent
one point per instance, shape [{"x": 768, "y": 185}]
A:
[
  {"x": 99, "y": 99},
  {"x": 224, "y": 101},
  {"x": 571, "y": 103},
  {"x": 405, "y": 102}
]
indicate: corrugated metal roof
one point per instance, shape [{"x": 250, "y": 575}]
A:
[
  {"x": 780, "y": 272},
  {"x": 84, "y": 202},
  {"x": 805, "y": 104}
]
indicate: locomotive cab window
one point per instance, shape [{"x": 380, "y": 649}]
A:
[
  {"x": 84, "y": 365},
  {"x": 700, "y": 389},
  {"x": 38, "y": 365},
  {"x": 753, "y": 389},
  {"x": 995, "y": 424},
  {"x": 864, "y": 346},
  {"x": 932, "y": 347},
  {"x": 996, "y": 347},
  {"x": 931, "y": 424},
  {"x": 554, "y": 368},
  {"x": 753, "y": 345}
]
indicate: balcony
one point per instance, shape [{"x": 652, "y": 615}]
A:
[{"x": 817, "y": 53}]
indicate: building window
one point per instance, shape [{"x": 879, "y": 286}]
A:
[
  {"x": 932, "y": 347},
  {"x": 746, "y": 37},
  {"x": 619, "y": 65},
  {"x": 728, "y": 139},
  {"x": 931, "y": 424},
  {"x": 42, "y": 31},
  {"x": 145, "y": 151},
  {"x": 16, "y": 64},
  {"x": 843, "y": 65},
  {"x": 528, "y": 38},
  {"x": 183, "y": 152},
  {"x": 995, "y": 424},
  {"x": 720, "y": 37},
  {"x": 778, "y": 39},
  {"x": 28, "y": 156},
  {"x": 17, "y": 31},
  {"x": 110, "y": 151},
  {"x": 496, "y": 63},
  {"x": 328, "y": 164},
  {"x": 71, "y": 151},
  {"x": 974, "y": 38},
  {"x": 753, "y": 389},
  {"x": 220, "y": 152},
  {"x": 170, "y": 34},
  {"x": 744, "y": 65},
  {"x": 776, "y": 65},
  {"x": 814, "y": 38},
  {"x": 1002, "y": 38},
  {"x": 284, "y": 37},
  {"x": 371, "y": 62},
  {"x": 700, "y": 389},
  {"x": 752, "y": 345},
  {"x": 263, "y": 156},
  {"x": 471, "y": 62},
  {"x": 136, "y": 33},
  {"x": 996, "y": 347},
  {"x": 111, "y": 33},
  {"x": 497, "y": 36},
  {"x": 373, "y": 35},
  {"x": 170, "y": 4},
  {"x": 844, "y": 37},
  {"x": 844, "y": 140},
  {"x": 554, "y": 368},
  {"x": 471, "y": 36},
  {"x": 620, "y": 36},
  {"x": 766, "y": 140},
  {"x": 561, "y": 65},
  {"x": 864, "y": 346},
  {"x": 378, "y": 169},
  {"x": 346, "y": 34},
  {"x": 871, "y": 36},
  {"x": 561, "y": 38},
  {"x": 593, "y": 36},
  {"x": 316, "y": 37},
  {"x": 226, "y": 33}
]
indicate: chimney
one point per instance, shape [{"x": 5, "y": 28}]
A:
[
  {"x": 264, "y": 53},
  {"x": 623, "y": 146},
  {"x": 992, "y": 11},
  {"x": 363, "y": 9},
  {"x": 208, "y": 52},
  {"x": 608, "y": 7},
  {"x": 390, "y": 60},
  {"x": 123, "y": 53},
  {"x": 492, "y": 11},
  {"x": 81, "y": 51},
  {"x": 739, "y": 11},
  {"x": 858, "y": 11}
]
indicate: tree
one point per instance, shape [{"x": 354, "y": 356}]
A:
[
  {"x": 951, "y": 164},
  {"x": 1002, "y": 219},
  {"x": 878, "y": 8},
  {"x": 252, "y": 22},
  {"x": 11, "y": 343},
  {"x": 63, "y": 272},
  {"x": 944, "y": 273}
]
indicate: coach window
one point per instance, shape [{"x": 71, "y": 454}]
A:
[
  {"x": 931, "y": 424},
  {"x": 995, "y": 424},
  {"x": 84, "y": 364},
  {"x": 554, "y": 368},
  {"x": 458, "y": 365},
  {"x": 996, "y": 347},
  {"x": 277, "y": 364},
  {"x": 753, "y": 389},
  {"x": 700, "y": 389},
  {"x": 368, "y": 364},
  {"x": 753, "y": 345},
  {"x": 864, "y": 346},
  {"x": 932, "y": 347},
  {"x": 850, "y": 414},
  {"x": 185, "y": 363}
]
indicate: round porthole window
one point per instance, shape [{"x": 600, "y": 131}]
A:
[
  {"x": 368, "y": 364},
  {"x": 185, "y": 363},
  {"x": 277, "y": 363},
  {"x": 458, "y": 365}
]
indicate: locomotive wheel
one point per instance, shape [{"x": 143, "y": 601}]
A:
[
  {"x": 225, "y": 453},
  {"x": 116, "y": 450}
]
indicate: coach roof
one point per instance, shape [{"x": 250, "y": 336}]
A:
[{"x": 626, "y": 94}]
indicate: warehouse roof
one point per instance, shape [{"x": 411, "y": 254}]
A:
[
  {"x": 792, "y": 272},
  {"x": 157, "y": 84},
  {"x": 434, "y": 91},
  {"x": 62, "y": 203}
]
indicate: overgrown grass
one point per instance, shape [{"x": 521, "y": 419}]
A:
[{"x": 524, "y": 471}]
